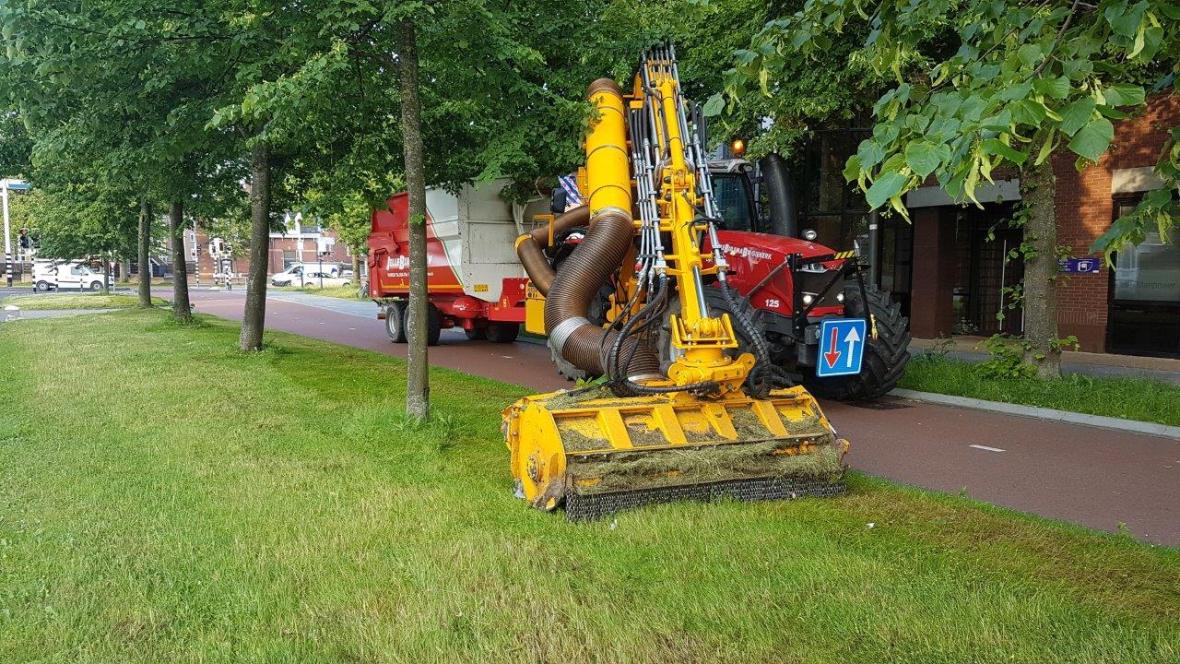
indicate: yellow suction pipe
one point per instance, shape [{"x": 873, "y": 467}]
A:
[{"x": 608, "y": 173}]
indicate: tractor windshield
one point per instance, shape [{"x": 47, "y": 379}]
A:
[{"x": 733, "y": 200}]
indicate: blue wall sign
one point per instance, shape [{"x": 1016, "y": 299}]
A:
[
  {"x": 841, "y": 347},
  {"x": 1080, "y": 265}
]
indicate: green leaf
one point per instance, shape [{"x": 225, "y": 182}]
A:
[
  {"x": 1018, "y": 91},
  {"x": 922, "y": 158},
  {"x": 869, "y": 153},
  {"x": 1124, "y": 94},
  {"x": 997, "y": 147},
  {"x": 1055, "y": 88},
  {"x": 852, "y": 169},
  {"x": 1029, "y": 54},
  {"x": 1076, "y": 115},
  {"x": 1093, "y": 139},
  {"x": 714, "y": 105},
  {"x": 887, "y": 186}
]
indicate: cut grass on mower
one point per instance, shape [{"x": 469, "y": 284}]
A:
[
  {"x": 190, "y": 502},
  {"x": 1140, "y": 399},
  {"x": 96, "y": 301}
]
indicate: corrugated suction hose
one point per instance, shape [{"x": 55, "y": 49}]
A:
[
  {"x": 571, "y": 334},
  {"x": 530, "y": 246}
]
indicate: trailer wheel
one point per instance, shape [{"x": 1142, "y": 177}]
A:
[
  {"x": 476, "y": 333},
  {"x": 433, "y": 324},
  {"x": 395, "y": 322},
  {"x": 884, "y": 357},
  {"x": 503, "y": 333}
]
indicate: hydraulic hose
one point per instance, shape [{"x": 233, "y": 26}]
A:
[{"x": 530, "y": 247}]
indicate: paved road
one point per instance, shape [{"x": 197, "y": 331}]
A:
[{"x": 1091, "y": 476}]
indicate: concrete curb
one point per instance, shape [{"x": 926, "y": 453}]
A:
[{"x": 1135, "y": 426}]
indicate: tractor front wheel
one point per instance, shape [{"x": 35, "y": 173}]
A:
[{"x": 885, "y": 355}]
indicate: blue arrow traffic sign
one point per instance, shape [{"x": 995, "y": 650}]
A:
[{"x": 841, "y": 347}]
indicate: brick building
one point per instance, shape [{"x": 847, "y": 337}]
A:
[
  {"x": 298, "y": 243},
  {"x": 948, "y": 268}
]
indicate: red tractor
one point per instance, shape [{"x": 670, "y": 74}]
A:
[{"x": 788, "y": 286}]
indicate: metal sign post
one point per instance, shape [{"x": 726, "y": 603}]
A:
[{"x": 7, "y": 237}]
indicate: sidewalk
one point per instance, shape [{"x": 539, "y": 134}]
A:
[{"x": 970, "y": 349}]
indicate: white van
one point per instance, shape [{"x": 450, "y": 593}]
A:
[
  {"x": 300, "y": 273},
  {"x": 66, "y": 275}
]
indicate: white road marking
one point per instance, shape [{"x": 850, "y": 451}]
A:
[
  {"x": 985, "y": 448},
  {"x": 506, "y": 357}
]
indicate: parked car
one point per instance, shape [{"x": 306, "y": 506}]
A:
[
  {"x": 324, "y": 280},
  {"x": 67, "y": 275},
  {"x": 296, "y": 274}
]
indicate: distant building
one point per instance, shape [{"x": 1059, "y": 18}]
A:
[{"x": 296, "y": 244}]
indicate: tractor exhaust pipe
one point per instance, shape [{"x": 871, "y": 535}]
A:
[{"x": 776, "y": 176}]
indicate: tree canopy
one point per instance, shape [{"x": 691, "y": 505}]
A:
[{"x": 979, "y": 85}]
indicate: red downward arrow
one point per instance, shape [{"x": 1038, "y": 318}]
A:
[{"x": 833, "y": 354}]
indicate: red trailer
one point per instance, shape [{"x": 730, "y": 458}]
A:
[{"x": 473, "y": 276}]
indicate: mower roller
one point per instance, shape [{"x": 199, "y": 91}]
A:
[{"x": 712, "y": 422}]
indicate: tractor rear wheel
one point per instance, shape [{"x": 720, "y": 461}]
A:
[{"x": 885, "y": 356}]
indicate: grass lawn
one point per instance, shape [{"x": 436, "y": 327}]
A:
[
  {"x": 341, "y": 292},
  {"x": 191, "y": 503},
  {"x": 1129, "y": 398},
  {"x": 95, "y": 301}
]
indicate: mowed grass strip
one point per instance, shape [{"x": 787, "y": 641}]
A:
[
  {"x": 80, "y": 301},
  {"x": 181, "y": 501},
  {"x": 1129, "y": 398}
]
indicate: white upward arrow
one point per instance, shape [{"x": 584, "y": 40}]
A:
[{"x": 852, "y": 338}]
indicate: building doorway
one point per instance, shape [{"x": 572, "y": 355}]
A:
[{"x": 985, "y": 272}]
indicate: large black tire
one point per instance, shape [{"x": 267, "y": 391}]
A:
[
  {"x": 476, "y": 333},
  {"x": 502, "y": 333},
  {"x": 395, "y": 322},
  {"x": 885, "y": 356},
  {"x": 433, "y": 324}
]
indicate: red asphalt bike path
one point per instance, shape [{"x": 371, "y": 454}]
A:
[{"x": 1095, "y": 477}]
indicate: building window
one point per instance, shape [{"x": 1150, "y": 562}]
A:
[
  {"x": 290, "y": 257},
  {"x": 836, "y": 210},
  {"x": 1144, "y": 317}
]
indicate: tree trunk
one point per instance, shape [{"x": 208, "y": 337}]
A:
[
  {"x": 181, "y": 309},
  {"x": 254, "y": 318},
  {"x": 417, "y": 373},
  {"x": 145, "y": 242},
  {"x": 106, "y": 275},
  {"x": 1038, "y": 189},
  {"x": 125, "y": 270},
  {"x": 356, "y": 272}
]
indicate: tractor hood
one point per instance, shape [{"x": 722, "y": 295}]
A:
[{"x": 755, "y": 248}]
